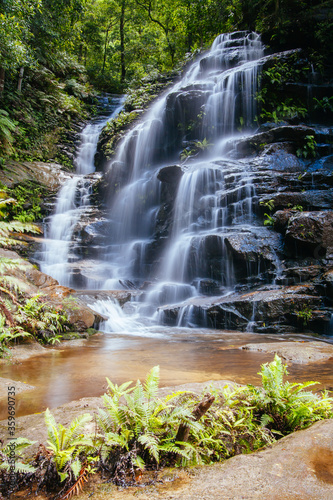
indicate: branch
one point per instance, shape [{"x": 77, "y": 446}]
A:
[{"x": 183, "y": 430}]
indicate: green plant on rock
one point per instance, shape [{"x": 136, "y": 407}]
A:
[
  {"x": 44, "y": 321},
  {"x": 8, "y": 335},
  {"x": 230, "y": 428},
  {"x": 203, "y": 145},
  {"x": 325, "y": 104},
  {"x": 269, "y": 220},
  {"x": 7, "y": 126},
  {"x": 10, "y": 456},
  {"x": 186, "y": 154},
  {"x": 309, "y": 149},
  {"x": 285, "y": 407},
  {"x": 26, "y": 206},
  {"x": 10, "y": 230},
  {"x": 66, "y": 444},
  {"x": 305, "y": 314},
  {"x": 284, "y": 111},
  {"x": 141, "y": 430}
]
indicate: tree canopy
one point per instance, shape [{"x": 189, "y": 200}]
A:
[{"x": 121, "y": 40}]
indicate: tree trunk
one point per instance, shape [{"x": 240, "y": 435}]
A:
[
  {"x": 184, "y": 431},
  {"x": 80, "y": 52},
  {"x": 20, "y": 79},
  {"x": 105, "y": 46},
  {"x": 122, "y": 41},
  {"x": 2, "y": 80}
]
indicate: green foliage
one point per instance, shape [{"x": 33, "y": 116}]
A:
[
  {"x": 14, "y": 448},
  {"x": 11, "y": 229},
  {"x": 67, "y": 443},
  {"x": 284, "y": 111},
  {"x": 138, "y": 430},
  {"x": 44, "y": 321},
  {"x": 7, "y": 126},
  {"x": 139, "y": 423},
  {"x": 269, "y": 220},
  {"x": 309, "y": 149},
  {"x": 7, "y": 336},
  {"x": 27, "y": 200},
  {"x": 305, "y": 315},
  {"x": 325, "y": 104},
  {"x": 285, "y": 407},
  {"x": 195, "y": 148}
]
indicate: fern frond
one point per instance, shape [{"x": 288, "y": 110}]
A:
[
  {"x": 151, "y": 383},
  {"x": 150, "y": 443}
]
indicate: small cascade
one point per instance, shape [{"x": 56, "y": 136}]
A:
[{"x": 73, "y": 201}]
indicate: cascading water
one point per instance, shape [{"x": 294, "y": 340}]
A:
[
  {"x": 171, "y": 223},
  {"x": 73, "y": 200},
  {"x": 208, "y": 109}
]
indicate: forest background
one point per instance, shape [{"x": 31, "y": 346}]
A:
[{"x": 54, "y": 53}]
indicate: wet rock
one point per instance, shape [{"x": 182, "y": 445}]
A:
[
  {"x": 328, "y": 280},
  {"x": 49, "y": 175},
  {"x": 311, "y": 232},
  {"x": 296, "y": 352},
  {"x": 121, "y": 296},
  {"x": 253, "y": 249},
  {"x": 19, "y": 387},
  {"x": 286, "y": 133},
  {"x": 308, "y": 200},
  {"x": 183, "y": 108},
  {"x": 170, "y": 175},
  {"x": 270, "y": 308},
  {"x": 281, "y": 219},
  {"x": 303, "y": 274}
]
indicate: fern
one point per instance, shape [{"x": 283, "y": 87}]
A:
[
  {"x": 66, "y": 443},
  {"x": 18, "y": 446},
  {"x": 284, "y": 406}
]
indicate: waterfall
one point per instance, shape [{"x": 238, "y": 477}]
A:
[
  {"x": 72, "y": 201},
  {"x": 212, "y": 105},
  {"x": 179, "y": 197}
]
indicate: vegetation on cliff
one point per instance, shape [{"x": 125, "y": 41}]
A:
[{"x": 51, "y": 53}]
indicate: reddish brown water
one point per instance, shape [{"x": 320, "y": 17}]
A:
[{"x": 79, "y": 369}]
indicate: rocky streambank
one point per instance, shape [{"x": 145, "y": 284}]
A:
[{"x": 292, "y": 251}]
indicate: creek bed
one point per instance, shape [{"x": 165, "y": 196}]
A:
[{"x": 77, "y": 369}]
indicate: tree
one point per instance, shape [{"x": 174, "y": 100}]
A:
[{"x": 15, "y": 34}]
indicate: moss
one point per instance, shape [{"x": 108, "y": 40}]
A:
[{"x": 138, "y": 99}]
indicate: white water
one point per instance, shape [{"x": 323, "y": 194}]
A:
[
  {"x": 72, "y": 201},
  {"x": 213, "y": 202}
]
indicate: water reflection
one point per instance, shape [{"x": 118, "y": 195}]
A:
[{"x": 78, "y": 369}]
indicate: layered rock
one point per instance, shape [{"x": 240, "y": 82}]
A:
[{"x": 80, "y": 316}]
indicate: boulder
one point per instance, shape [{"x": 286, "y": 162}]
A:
[
  {"x": 49, "y": 175},
  {"x": 295, "y": 352},
  {"x": 311, "y": 233},
  {"x": 171, "y": 174},
  {"x": 35, "y": 282},
  {"x": 298, "y": 466},
  {"x": 285, "y": 133}
]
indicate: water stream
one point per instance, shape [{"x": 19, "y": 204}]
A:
[{"x": 74, "y": 200}]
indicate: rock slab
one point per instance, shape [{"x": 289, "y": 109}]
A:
[{"x": 295, "y": 352}]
